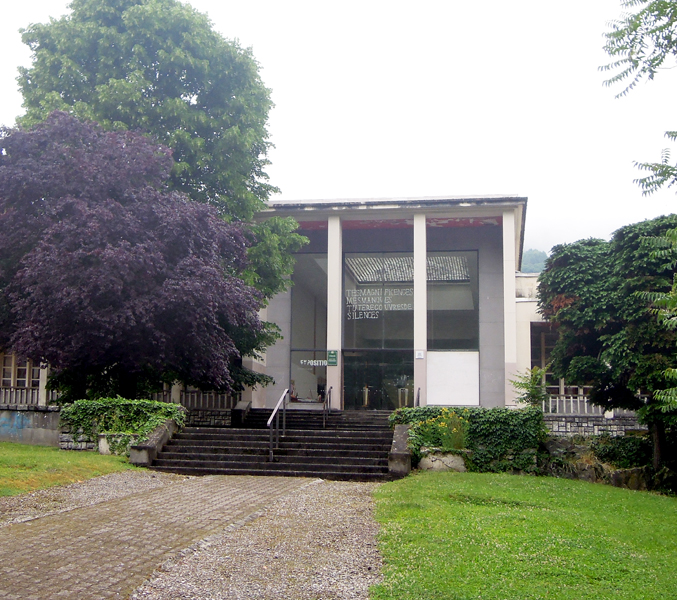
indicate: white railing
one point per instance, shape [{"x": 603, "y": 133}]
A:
[
  {"x": 198, "y": 399},
  {"x": 207, "y": 400},
  {"x": 14, "y": 395},
  {"x": 571, "y": 405},
  {"x": 163, "y": 396},
  {"x": 580, "y": 405}
]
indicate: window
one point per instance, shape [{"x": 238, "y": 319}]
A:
[
  {"x": 19, "y": 374},
  {"x": 453, "y": 301}
]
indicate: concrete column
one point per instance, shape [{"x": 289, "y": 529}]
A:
[
  {"x": 43, "y": 399},
  {"x": 420, "y": 309},
  {"x": 175, "y": 393},
  {"x": 335, "y": 308},
  {"x": 509, "y": 304}
]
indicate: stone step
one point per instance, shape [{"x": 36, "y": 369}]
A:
[
  {"x": 283, "y": 446},
  {"x": 257, "y": 418},
  {"x": 331, "y": 475},
  {"x": 180, "y": 458},
  {"x": 246, "y": 462},
  {"x": 288, "y": 450},
  {"x": 352, "y": 446},
  {"x": 290, "y": 434}
]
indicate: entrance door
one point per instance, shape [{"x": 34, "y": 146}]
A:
[{"x": 378, "y": 379}]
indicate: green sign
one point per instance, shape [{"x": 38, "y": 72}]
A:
[{"x": 332, "y": 358}]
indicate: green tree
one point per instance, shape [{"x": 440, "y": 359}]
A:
[
  {"x": 609, "y": 338},
  {"x": 159, "y": 67},
  {"x": 533, "y": 261},
  {"x": 641, "y": 44}
]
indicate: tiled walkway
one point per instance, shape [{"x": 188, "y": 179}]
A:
[{"x": 109, "y": 549}]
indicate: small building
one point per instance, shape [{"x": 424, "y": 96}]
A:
[{"x": 399, "y": 301}]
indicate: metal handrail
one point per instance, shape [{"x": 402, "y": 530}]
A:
[
  {"x": 418, "y": 397},
  {"x": 326, "y": 409},
  {"x": 276, "y": 416}
]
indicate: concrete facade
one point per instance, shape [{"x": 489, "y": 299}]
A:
[{"x": 491, "y": 227}]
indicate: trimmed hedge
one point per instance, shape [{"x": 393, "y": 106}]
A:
[{"x": 499, "y": 439}]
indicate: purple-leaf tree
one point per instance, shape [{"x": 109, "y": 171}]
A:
[{"x": 112, "y": 280}]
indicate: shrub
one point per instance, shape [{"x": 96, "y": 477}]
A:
[
  {"x": 447, "y": 431},
  {"x": 499, "y": 439},
  {"x": 531, "y": 387},
  {"x": 622, "y": 451},
  {"x": 119, "y": 419}
]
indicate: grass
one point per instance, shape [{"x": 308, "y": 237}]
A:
[
  {"x": 470, "y": 536},
  {"x": 27, "y": 468}
]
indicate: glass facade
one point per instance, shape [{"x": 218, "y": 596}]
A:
[
  {"x": 377, "y": 333},
  {"x": 378, "y": 330},
  {"x": 309, "y": 328},
  {"x": 453, "y": 301},
  {"x": 379, "y": 300}
]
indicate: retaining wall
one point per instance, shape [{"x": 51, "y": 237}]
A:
[
  {"x": 567, "y": 425},
  {"x": 208, "y": 417},
  {"x": 27, "y": 424}
]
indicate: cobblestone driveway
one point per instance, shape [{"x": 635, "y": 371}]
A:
[{"x": 109, "y": 549}]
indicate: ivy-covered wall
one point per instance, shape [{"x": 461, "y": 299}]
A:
[{"x": 498, "y": 439}]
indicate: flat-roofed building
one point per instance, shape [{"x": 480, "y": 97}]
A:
[{"x": 397, "y": 301}]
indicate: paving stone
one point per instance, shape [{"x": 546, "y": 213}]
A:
[{"x": 109, "y": 549}]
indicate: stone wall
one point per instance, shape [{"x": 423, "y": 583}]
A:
[
  {"x": 587, "y": 425},
  {"x": 67, "y": 441},
  {"x": 27, "y": 424},
  {"x": 208, "y": 417}
]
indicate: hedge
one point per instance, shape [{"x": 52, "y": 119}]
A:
[{"x": 499, "y": 439}]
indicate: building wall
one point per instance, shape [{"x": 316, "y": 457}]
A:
[
  {"x": 278, "y": 356},
  {"x": 487, "y": 240},
  {"x": 527, "y": 313}
]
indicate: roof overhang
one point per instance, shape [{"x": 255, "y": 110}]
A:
[{"x": 442, "y": 211}]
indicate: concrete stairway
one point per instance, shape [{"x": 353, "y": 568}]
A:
[{"x": 354, "y": 446}]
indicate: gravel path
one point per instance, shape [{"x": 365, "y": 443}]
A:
[{"x": 316, "y": 543}]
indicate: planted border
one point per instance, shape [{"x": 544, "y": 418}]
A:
[{"x": 499, "y": 439}]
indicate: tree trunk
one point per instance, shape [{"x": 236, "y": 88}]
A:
[{"x": 657, "y": 430}]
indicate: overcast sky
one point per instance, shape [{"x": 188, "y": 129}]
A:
[{"x": 391, "y": 98}]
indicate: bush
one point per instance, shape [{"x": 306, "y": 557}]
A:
[
  {"x": 499, "y": 439},
  {"x": 622, "y": 451},
  {"x": 119, "y": 419},
  {"x": 530, "y": 386},
  {"x": 447, "y": 431}
]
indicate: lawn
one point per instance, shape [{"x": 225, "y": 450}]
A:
[
  {"x": 27, "y": 468},
  {"x": 470, "y": 536}
]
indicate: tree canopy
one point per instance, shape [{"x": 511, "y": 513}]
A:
[
  {"x": 608, "y": 335},
  {"x": 641, "y": 44},
  {"x": 109, "y": 277},
  {"x": 533, "y": 261},
  {"x": 609, "y": 338},
  {"x": 159, "y": 67}
]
